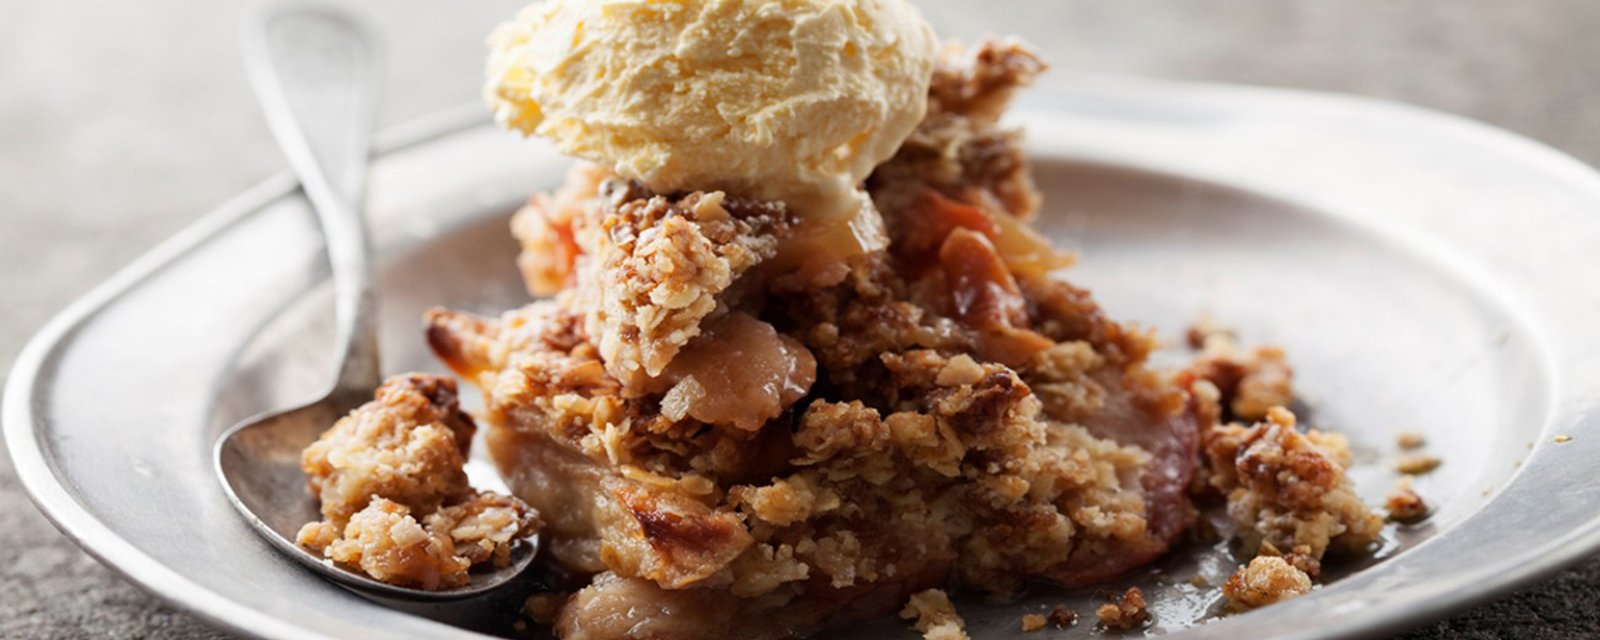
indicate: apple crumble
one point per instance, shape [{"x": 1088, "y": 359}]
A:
[
  {"x": 800, "y": 358},
  {"x": 394, "y": 496}
]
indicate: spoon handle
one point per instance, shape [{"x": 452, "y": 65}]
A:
[{"x": 315, "y": 71}]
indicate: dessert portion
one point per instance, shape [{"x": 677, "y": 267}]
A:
[
  {"x": 394, "y": 496},
  {"x": 800, "y": 358}
]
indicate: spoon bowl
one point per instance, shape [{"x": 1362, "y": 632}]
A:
[{"x": 258, "y": 461}]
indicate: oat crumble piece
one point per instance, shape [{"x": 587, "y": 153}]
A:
[
  {"x": 1033, "y": 622},
  {"x": 408, "y": 445},
  {"x": 935, "y": 616},
  {"x": 1410, "y": 440},
  {"x": 1124, "y": 612},
  {"x": 1289, "y": 488},
  {"x": 1404, "y": 505},
  {"x": 394, "y": 495},
  {"x": 1562, "y": 438},
  {"x": 1063, "y": 617},
  {"x": 1417, "y": 464},
  {"x": 650, "y": 270},
  {"x": 1249, "y": 382},
  {"x": 1265, "y": 580}
]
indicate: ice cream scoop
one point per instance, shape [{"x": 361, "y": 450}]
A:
[{"x": 791, "y": 100}]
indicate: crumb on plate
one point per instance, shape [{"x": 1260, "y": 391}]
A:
[
  {"x": 1417, "y": 465},
  {"x": 1063, "y": 617},
  {"x": 1410, "y": 440},
  {"x": 1124, "y": 612},
  {"x": 1266, "y": 580},
  {"x": 1033, "y": 622},
  {"x": 935, "y": 616},
  {"x": 1403, "y": 503}
]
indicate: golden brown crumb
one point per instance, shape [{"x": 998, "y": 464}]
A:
[
  {"x": 408, "y": 445},
  {"x": 387, "y": 543},
  {"x": 1417, "y": 465},
  {"x": 1248, "y": 382},
  {"x": 1266, "y": 580},
  {"x": 1125, "y": 612},
  {"x": 1033, "y": 622},
  {"x": 1403, "y": 503},
  {"x": 935, "y": 616},
  {"x": 543, "y": 607},
  {"x": 394, "y": 494},
  {"x": 1289, "y": 488},
  {"x": 1562, "y": 438},
  {"x": 1063, "y": 617},
  {"x": 1199, "y": 581},
  {"x": 1207, "y": 334},
  {"x": 1410, "y": 440}
]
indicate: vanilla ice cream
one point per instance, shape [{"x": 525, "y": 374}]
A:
[{"x": 791, "y": 100}]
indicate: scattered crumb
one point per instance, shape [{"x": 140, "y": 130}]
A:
[
  {"x": 1410, "y": 440},
  {"x": 1403, "y": 503},
  {"x": 935, "y": 616},
  {"x": 1032, "y": 622},
  {"x": 1562, "y": 438},
  {"x": 1125, "y": 612},
  {"x": 1300, "y": 557},
  {"x": 1207, "y": 331},
  {"x": 543, "y": 607},
  {"x": 1416, "y": 465},
  {"x": 1199, "y": 581},
  {"x": 1266, "y": 580},
  {"x": 1063, "y": 617}
]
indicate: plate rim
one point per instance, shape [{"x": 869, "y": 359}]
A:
[{"x": 37, "y": 474}]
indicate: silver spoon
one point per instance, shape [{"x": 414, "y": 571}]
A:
[{"x": 315, "y": 72}]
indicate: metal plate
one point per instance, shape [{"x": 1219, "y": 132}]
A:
[{"x": 1425, "y": 273}]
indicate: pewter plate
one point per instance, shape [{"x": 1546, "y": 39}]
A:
[{"x": 1425, "y": 274}]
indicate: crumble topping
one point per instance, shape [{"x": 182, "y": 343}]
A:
[
  {"x": 935, "y": 616},
  {"x": 646, "y": 270},
  {"x": 1403, "y": 503},
  {"x": 1288, "y": 488},
  {"x": 1265, "y": 580},
  {"x": 394, "y": 496},
  {"x": 1127, "y": 611},
  {"x": 1249, "y": 382}
]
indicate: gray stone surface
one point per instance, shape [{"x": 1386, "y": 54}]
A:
[{"x": 120, "y": 122}]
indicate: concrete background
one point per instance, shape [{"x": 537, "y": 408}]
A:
[{"x": 121, "y": 122}]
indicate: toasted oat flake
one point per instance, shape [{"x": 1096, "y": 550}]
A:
[
  {"x": 1416, "y": 465},
  {"x": 1562, "y": 438},
  {"x": 1410, "y": 440}
]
